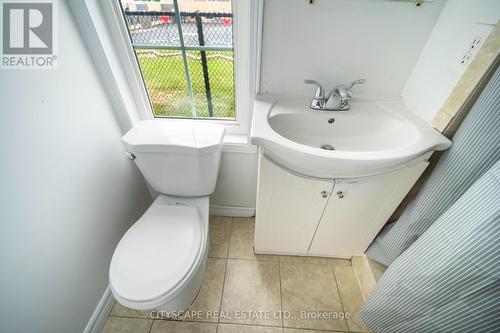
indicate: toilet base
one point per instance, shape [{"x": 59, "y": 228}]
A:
[{"x": 180, "y": 303}]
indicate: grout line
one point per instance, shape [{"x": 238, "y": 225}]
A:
[
  {"x": 163, "y": 318},
  {"x": 130, "y": 317},
  {"x": 226, "y": 323},
  {"x": 151, "y": 327},
  {"x": 285, "y": 262},
  {"x": 340, "y": 296},
  {"x": 281, "y": 297},
  {"x": 258, "y": 260},
  {"x": 188, "y": 320},
  {"x": 230, "y": 236},
  {"x": 225, "y": 272},
  {"x": 230, "y": 323},
  {"x": 318, "y": 330},
  {"x": 251, "y": 325},
  {"x": 217, "y": 257},
  {"x": 247, "y": 324}
]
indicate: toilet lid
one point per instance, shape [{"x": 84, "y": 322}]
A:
[{"x": 156, "y": 253}]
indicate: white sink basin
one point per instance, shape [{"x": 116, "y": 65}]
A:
[{"x": 370, "y": 138}]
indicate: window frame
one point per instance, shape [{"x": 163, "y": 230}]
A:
[{"x": 247, "y": 32}]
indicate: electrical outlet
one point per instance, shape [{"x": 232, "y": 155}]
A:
[
  {"x": 471, "y": 50},
  {"x": 475, "y": 43},
  {"x": 466, "y": 58}
]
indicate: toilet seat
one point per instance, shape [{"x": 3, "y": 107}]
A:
[{"x": 157, "y": 255}]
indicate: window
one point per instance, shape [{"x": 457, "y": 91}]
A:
[{"x": 184, "y": 50}]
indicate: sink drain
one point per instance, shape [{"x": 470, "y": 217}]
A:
[{"x": 327, "y": 147}]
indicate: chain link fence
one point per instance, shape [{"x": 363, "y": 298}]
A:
[{"x": 206, "y": 47}]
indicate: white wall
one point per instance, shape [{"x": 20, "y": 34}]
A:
[
  {"x": 337, "y": 41},
  {"x": 237, "y": 182},
  {"x": 67, "y": 192},
  {"x": 439, "y": 67}
]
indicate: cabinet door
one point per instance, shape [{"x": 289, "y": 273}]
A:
[
  {"x": 358, "y": 209},
  {"x": 289, "y": 208}
]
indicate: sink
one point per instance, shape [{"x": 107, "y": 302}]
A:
[{"x": 373, "y": 137}]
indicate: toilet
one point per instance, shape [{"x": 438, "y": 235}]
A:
[{"x": 160, "y": 261}]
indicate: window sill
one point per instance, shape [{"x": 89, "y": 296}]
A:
[{"x": 238, "y": 143}]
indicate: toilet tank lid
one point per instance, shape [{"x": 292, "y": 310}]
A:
[{"x": 174, "y": 136}]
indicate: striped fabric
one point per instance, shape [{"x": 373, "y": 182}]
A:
[
  {"x": 476, "y": 146},
  {"x": 448, "y": 280}
]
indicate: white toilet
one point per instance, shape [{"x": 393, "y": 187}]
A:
[{"x": 160, "y": 261}]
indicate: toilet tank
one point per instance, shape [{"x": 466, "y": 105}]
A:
[{"x": 177, "y": 157}]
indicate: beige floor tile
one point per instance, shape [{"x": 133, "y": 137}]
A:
[
  {"x": 308, "y": 289},
  {"x": 126, "y": 325},
  {"x": 121, "y": 311},
  {"x": 219, "y": 234},
  {"x": 351, "y": 296},
  {"x": 315, "y": 260},
  {"x": 299, "y": 330},
  {"x": 252, "y": 289},
  {"x": 207, "y": 304},
  {"x": 241, "y": 245},
  {"x": 233, "y": 328},
  {"x": 167, "y": 326}
]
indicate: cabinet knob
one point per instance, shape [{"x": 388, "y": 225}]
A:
[
  {"x": 324, "y": 194},
  {"x": 340, "y": 194}
]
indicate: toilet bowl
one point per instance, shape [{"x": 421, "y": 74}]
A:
[{"x": 160, "y": 261}]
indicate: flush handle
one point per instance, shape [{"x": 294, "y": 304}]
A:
[
  {"x": 130, "y": 156},
  {"x": 340, "y": 194}
]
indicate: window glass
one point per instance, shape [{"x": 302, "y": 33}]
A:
[{"x": 185, "y": 56}]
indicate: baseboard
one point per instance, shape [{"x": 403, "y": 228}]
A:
[
  {"x": 233, "y": 211},
  {"x": 367, "y": 273},
  {"x": 101, "y": 312}
]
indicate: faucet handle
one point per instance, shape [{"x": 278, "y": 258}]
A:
[
  {"x": 320, "y": 92},
  {"x": 353, "y": 83}
]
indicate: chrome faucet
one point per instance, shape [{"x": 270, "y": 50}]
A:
[
  {"x": 319, "y": 100},
  {"x": 339, "y": 98}
]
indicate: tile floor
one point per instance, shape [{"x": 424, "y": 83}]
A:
[{"x": 249, "y": 292}]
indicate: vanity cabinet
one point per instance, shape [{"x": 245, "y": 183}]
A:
[
  {"x": 287, "y": 205},
  {"x": 325, "y": 217}
]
